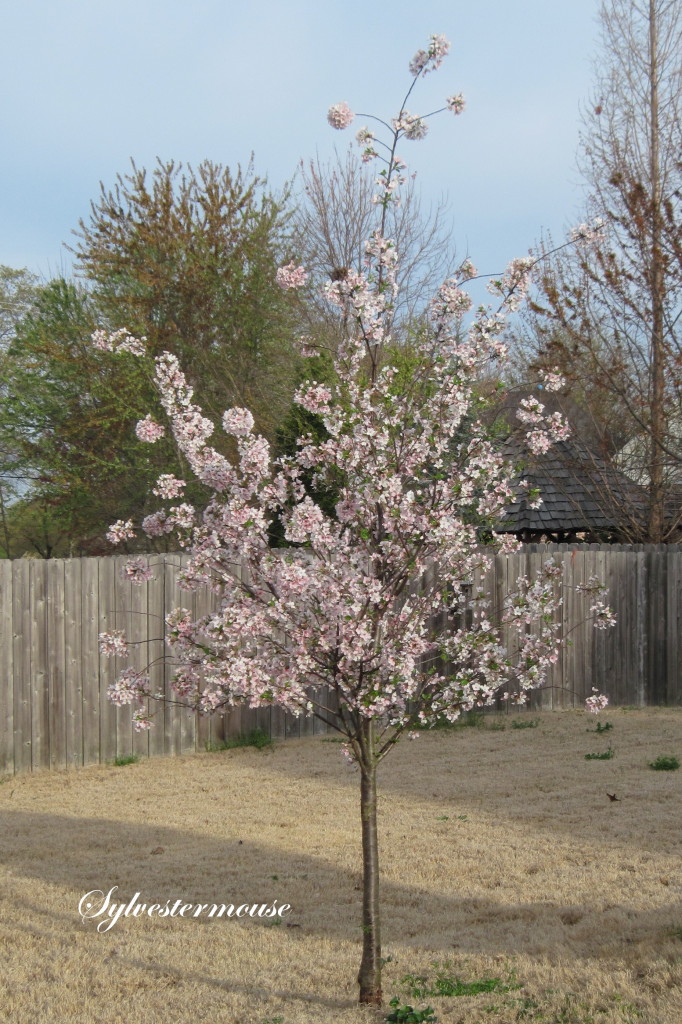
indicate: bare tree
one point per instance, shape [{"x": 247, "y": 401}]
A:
[
  {"x": 336, "y": 215},
  {"x": 609, "y": 309}
]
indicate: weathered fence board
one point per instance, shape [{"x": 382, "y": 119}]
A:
[
  {"x": 37, "y": 673},
  {"x": 54, "y": 710},
  {"x": 21, "y": 653},
  {"x": 6, "y": 670},
  {"x": 155, "y": 653},
  {"x": 111, "y": 719},
  {"x": 56, "y": 657},
  {"x": 73, "y": 669},
  {"x": 93, "y": 621}
]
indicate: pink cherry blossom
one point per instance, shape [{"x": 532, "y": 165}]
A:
[
  {"x": 156, "y": 524},
  {"x": 148, "y": 430},
  {"x": 467, "y": 270},
  {"x": 307, "y": 346},
  {"x": 456, "y": 104},
  {"x": 431, "y": 58},
  {"x": 130, "y": 686},
  {"x": 137, "y": 571},
  {"x": 552, "y": 380},
  {"x": 602, "y": 615},
  {"x": 291, "y": 276},
  {"x": 168, "y": 486},
  {"x": 588, "y": 234},
  {"x": 181, "y": 517},
  {"x": 410, "y": 126},
  {"x": 238, "y": 422},
  {"x": 450, "y": 302},
  {"x": 120, "y": 531},
  {"x": 597, "y": 702},
  {"x": 141, "y": 721},
  {"x": 113, "y": 644},
  {"x": 340, "y": 116},
  {"x": 530, "y": 410},
  {"x": 513, "y": 285},
  {"x": 118, "y": 341}
]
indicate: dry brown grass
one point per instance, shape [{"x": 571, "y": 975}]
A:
[{"x": 500, "y": 852}]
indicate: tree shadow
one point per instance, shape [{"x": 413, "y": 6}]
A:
[{"x": 160, "y": 863}]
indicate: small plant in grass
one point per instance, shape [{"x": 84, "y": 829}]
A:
[
  {"x": 467, "y": 720},
  {"x": 665, "y": 764},
  {"x": 497, "y": 726},
  {"x": 676, "y": 933},
  {"x": 601, "y": 727},
  {"x": 446, "y": 984},
  {"x": 629, "y": 1011},
  {"x": 125, "y": 759},
  {"x": 605, "y": 756},
  {"x": 525, "y": 723},
  {"x": 255, "y": 738},
  {"x": 523, "y": 1007},
  {"x": 272, "y": 1020},
  {"x": 471, "y": 720},
  {"x": 573, "y": 1011},
  {"x": 408, "y": 1015}
]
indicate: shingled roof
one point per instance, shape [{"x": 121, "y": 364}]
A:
[{"x": 581, "y": 494}]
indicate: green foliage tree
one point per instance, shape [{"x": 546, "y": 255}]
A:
[
  {"x": 18, "y": 289},
  {"x": 188, "y": 259},
  {"x": 17, "y": 293},
  {"x": 68, "y": 418}
]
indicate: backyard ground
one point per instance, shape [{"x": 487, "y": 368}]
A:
[{"x": 503, "y": 861}]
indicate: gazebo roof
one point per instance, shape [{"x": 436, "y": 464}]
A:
[{"x": 580, "y": 491}]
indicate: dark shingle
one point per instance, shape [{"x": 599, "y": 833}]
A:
[{"x": 580, "y": 491}]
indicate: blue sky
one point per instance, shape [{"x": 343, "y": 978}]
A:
[{"x": 87, "y": 84}]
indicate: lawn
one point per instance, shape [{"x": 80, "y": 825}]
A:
[{"x": 504, "y": 862}]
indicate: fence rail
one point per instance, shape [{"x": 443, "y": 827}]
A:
[{"x": 54, "y": 711}]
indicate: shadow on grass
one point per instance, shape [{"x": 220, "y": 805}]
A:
[
  {"x": 160, "y": 863},
  {"x": 55, "y": 932}
]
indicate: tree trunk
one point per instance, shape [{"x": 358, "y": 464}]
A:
[{"x": 369, "y": 976}]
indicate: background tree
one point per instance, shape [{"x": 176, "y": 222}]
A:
[
  {"x": 188, "y": 258},
  {"x": 335, "y": 216},
  {"x": 609, "y": 309},
  {"x": 68, "y": 418},
  {"x": 17, "y": 293}
]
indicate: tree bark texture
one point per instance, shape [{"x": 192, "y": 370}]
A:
[{"x": 369, "y": 976}]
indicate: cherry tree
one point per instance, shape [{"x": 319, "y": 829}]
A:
[{"x": 340, "y": 623}]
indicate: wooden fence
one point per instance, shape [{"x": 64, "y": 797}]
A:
[{"x": 53, "y": 706}]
